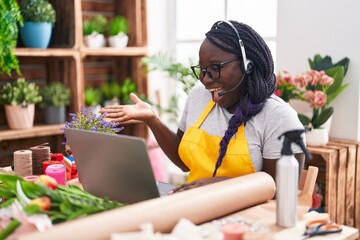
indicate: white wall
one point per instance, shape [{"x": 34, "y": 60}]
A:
[{"x": 327, "y": 27}]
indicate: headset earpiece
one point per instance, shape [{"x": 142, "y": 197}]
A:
[
  {"x": 249, "y": 67},
  {"x": 248, "y": 64}
]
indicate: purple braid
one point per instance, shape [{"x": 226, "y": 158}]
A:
[{"x": 235, "y": 121}]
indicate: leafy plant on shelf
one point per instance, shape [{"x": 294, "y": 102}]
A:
[
  {"x": 55, "y": 94},
  {"x": 96, "y": 24},
  {"x": 44, "y": 203},
  {"x": 20, "y": 92},
  {"x": 10, "y": 17},
  {"x": 93, "y": 96},
  {"x": 38, "y": 11},
  {"x": 118, "y": 25}
]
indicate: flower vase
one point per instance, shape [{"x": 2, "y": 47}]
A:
[{"x": 317, "y": 137}]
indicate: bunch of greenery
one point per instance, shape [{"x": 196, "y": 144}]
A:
[
  {"x": 118, "y": 25},
  {"x": 20, "y": 92},
  {"x": 38, "y": 11},
  {"x": 93, "y": 96},
  {"x": 56, "y": 202},
  {"x": 127, "y": 87},
  {"x": 55, "y": 94},
  {"x": 10, "y": 17},
  {"x": 176, "y": 70},
  {"x": 110, "y": 90},
  {"x": 97, "y": 24}
]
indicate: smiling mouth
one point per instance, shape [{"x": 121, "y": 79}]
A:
[{"x": 214, "y": 89}]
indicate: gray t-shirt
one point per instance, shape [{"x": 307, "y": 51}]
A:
[{"x": 261, "y": 131}]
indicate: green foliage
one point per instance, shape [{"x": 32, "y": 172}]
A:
[
  {"x": 67, "y": 202},
  {"x": 127, "y": 87},
  {"x": 93, "y": 96},
  {"x": 55, "y": 94},
  {"x": 181, "y": 73},
  {"x": 110, "y": 90},
  {"x": 20, "y": 92},
  {"x": 10, "y": 17},
  {"x": 38, "y": 11},
  {"x": 320, "y": 116},
  {"x": 97, "y": 24},
  {"x": 118, "y": 25},
  {"x": 178, "y": 71},
  {"x": 88, "y": 27},
  {"x": 337, "y": 71}
]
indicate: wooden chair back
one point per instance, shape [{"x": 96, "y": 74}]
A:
[{"x": 307, "y": 185}]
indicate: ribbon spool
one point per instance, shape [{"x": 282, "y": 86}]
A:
[
  {"x": 23, "y": 163},
  {"x": 47, "y": 163},
  {"x": 58, "y": 172},
  {"x": 39, "y": 155}
]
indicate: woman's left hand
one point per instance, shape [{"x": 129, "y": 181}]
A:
[{"x": 198, "y": 183}]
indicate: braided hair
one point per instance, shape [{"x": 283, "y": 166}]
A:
[{"x": 260, "y": 83}]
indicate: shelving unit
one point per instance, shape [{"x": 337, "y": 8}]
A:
[{"x": 69, "y": 61}]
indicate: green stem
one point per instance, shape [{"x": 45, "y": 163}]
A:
[{"x": 9, "y": 229}]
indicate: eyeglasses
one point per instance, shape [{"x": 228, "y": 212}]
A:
[{"x": 212, "y": 70}]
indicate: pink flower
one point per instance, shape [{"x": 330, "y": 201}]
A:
[
  {"x": 326, "y": 80},
  {"x": 300, "y": 81},
  {"x": 278, "y": 92},
  {"x": 316, "y": 200},
  {"x": 317, "y": 99}
]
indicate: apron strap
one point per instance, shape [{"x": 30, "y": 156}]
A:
[
  {"x": 240, "y": 132},
  {"x": 204, "y": 114}
]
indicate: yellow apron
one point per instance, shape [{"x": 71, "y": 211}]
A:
[{"x": 199, "y": 151}]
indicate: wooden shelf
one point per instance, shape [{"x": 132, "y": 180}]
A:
[
  {"x": 36, "y": 131},
  {"x": 49, "y": 52},
  {"x": 110, "y": 51}
]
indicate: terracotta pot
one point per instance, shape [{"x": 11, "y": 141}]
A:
[{"x": 20, "y": 117}]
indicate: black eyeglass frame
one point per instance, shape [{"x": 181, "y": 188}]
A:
[{"x": 210, "y": 75}]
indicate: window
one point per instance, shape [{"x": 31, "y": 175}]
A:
[{"x": 194, "y": 19}]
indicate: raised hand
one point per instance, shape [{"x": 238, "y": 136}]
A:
[{"x": 140, "y": 111}]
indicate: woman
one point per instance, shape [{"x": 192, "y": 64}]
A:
[{"x": 232, "y": 120}]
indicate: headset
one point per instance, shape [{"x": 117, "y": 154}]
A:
[{"x": 248, "y": 64}]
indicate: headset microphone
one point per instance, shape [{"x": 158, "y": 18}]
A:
[{"x": 231, "y": 90}]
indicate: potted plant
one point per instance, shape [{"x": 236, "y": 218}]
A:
[
  {"x": 118, "y": 32},
  {"x": 19, "y": 98},
  {"x": 316, "y": 88},
  {"x": 56, "y": 96},
  {"x": 94, "y": 30},
  {"x": 39, "y": 18},
  {"x": 10, "y": 17},
  {"x": 111, "y": 92},
  {"x": 93, "y": 99}
]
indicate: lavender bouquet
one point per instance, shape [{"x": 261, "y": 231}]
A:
[{"x": 87, "y": 120}]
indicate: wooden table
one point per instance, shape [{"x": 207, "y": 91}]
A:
[{"x": 265, "y": 215}]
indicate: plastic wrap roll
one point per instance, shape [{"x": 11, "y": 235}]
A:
[
  {"x": 199, "y": 205},
  {"x": 39, "y": 155},
  {"x": 23, "y": 163}
]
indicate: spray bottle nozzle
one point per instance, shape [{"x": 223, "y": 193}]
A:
[{"x": 294, "y": 136}]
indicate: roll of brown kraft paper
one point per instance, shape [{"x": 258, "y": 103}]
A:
[{"x": 199, "y": 205}]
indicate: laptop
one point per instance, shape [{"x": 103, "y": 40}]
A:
[{"x": 114, "y": 166}]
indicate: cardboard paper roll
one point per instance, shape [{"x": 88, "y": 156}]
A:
[{"x": 199, "y": 205}]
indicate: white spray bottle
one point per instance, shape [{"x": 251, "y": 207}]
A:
[{"x": 287, "y": 179}]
